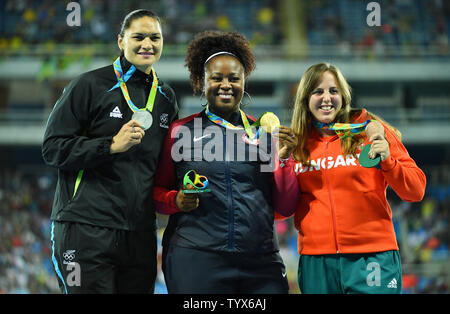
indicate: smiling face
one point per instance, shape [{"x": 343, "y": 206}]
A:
[
  {"x": 224, "y": 85},
  {"x": 142, "y": 43},
  {"x": 326, "y": 99}
]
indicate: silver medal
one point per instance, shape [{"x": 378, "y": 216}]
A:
[{"x": 144, "y": 118}]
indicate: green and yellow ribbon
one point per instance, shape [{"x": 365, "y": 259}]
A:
[
  {"x": 343, "y": 130},
  {"x": 121, "y": 78}
]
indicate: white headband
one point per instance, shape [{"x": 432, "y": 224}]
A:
[{"x": 220, "y": 53}]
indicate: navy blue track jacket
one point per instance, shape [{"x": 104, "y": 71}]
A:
[{"x": 237, "y": 215}]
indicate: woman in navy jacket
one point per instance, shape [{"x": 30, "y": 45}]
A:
[{"x": 222, "y": 241}]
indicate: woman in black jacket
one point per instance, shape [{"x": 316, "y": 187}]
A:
[
  {"x": 222, "y": 241},
  {"x": 104, "y": 136}
]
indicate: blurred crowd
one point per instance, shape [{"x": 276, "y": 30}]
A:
[
  {"x": 407, "y": 27},
  {"x": 45, "y": 20},
  {"x": 25, "y": 247},
  {"x": 406, "y": 24},
  {"x": 25, "y": 255}
]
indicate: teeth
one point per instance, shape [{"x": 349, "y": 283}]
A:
[
  {"x": 326, "y": 107},
  {"x": 225, "y": 96}
]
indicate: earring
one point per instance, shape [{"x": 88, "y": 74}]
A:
[
  {"x": 249, "y": 99},
  {"x": 201, "y": 97}
]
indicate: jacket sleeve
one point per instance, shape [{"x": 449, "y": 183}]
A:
[
  {"x": 65, "y": 144},
  {"x": 165, "y": 190},
  {"x": 286, "y": 192},
  {"x": 401, "y": 172}
]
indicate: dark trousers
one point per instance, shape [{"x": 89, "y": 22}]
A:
[
  {"x": 92, "y": 259},
  {"x": 188, "y": 270}
]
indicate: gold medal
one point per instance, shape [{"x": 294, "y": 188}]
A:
[{"x": 269, "y": 121}]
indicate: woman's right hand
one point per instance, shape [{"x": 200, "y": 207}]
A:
[
  {"x": 129, "y": 135},
  {"x": 287, "y": 141},
  {"x": 186, "y": 202}
]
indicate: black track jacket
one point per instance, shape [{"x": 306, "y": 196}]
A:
[{"x": 94, "y": 186}]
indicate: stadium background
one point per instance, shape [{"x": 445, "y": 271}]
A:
[{"x": 400, "y": 70}]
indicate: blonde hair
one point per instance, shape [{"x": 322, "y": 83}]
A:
[{"x": 301, "y": 118}]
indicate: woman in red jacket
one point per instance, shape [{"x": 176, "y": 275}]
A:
[{"x": 346, "y": 238}]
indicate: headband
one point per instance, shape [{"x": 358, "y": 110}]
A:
[{"x": 220, "y": 53}]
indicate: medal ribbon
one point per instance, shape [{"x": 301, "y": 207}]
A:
[
  {"x": 343, "y": 130},
  {"x": 121, "y": 83},
  {"x": 224, "y": 123}
]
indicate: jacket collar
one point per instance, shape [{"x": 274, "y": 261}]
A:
[{"x": 137, "y": 74}]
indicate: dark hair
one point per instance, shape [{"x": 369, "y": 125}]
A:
[
  {"x": 130, "y": 17},
  {"x": 206, "y": 44}
]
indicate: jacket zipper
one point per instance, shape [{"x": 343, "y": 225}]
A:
[
  {"x": 333, "y": 214},
  {"x": 229, "y": 198}
]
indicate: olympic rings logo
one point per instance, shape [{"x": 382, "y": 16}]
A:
[{"x": 69, "y": 255}]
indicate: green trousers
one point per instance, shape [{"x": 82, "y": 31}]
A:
[{"x": 378, "y": 272}]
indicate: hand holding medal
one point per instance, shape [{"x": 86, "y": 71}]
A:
[
  {"x": 287, "y": 139},
  {"x": 375, "y": 132},
  {"x": 372, "y": 154},
  {"x": 128, "y": 136}
]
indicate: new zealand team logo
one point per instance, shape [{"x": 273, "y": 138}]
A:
[{"x": 164, "y": 120}]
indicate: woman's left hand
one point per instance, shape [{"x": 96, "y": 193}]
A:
[{"x": 380, "y": 146}]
